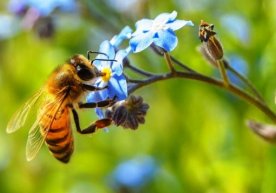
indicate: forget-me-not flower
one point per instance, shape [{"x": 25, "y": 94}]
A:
[
  {"x": 159, "y": 31},
  {"x": 110, "y": 63},
  {"x": 43, "y": 7},
  {"x": 134, "y": 173}
]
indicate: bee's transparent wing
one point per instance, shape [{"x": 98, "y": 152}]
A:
[
  {"x": 20, "y": 117},
  {"x": 34, "y": 142},
  {"x": 35, "y": 138}
]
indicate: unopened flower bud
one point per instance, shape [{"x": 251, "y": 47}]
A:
[
  {"x": 267, "y": 132},
  {"x": 129, "y": 113},
  {"x": 210, "y": 44}
]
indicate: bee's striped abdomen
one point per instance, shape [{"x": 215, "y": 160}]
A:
[{"x": 59, "y": 138}]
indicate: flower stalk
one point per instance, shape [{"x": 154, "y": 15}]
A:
[
  {"x": 223, "y": 73},
  {"x": 169, "y": 62}
]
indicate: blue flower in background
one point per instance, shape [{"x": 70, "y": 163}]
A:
[
  {"x": 9, "y": 26},
  {"x": 113, "y": 78},
  {"x": 134, "y": 173},
  {"x": 240, "y": 65},
  {"x": 237, "y": 25},
  {"x": 44, "y": 7},
  {"x": 36, "y": 14},
  {"x": 159, "y": 31}
]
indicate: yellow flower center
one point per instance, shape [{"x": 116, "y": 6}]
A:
[{"x": 107, "y": 74}]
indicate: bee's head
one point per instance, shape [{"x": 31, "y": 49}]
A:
[{"x": 85, "y": 70}]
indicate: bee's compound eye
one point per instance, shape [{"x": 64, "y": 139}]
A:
[{"x": 84, "y": 72}]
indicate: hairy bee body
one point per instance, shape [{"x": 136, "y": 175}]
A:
[
  {"x": 59, "y": 138},
  {"x": 62, "y": 82},
  {"x": 62, "y": 92}
]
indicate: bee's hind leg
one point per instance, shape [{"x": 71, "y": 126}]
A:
[{"x": 101, "y": 123}]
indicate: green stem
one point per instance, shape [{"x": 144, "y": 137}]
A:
[
  {"x": 223, "y": 72},
  {"x": 262, "y": 106},
  {"x": 138, "y": 70},
  {"x": 160, "y": 52},
  {"x": 169, "y": 62}
]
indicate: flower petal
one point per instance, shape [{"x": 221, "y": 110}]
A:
[
  {"x": 117, "y": 67},
  {"x": 118, "y": 87},
  {"x": 99, "y": 63},
  {"x": 94, "y": 97},
  {"x": 166, "y": 40},
  {"x": 98, "y": 95},
  {"x": 123, "y": 84},
  {"x": 142, "y": 26},
  {"x": 177, "y": 24},
  {"x": 141, "y": 42},
  {"x": 99, "y": 113},
  {"x": 106, "y": 48},
  {"x": 165, "y": 17},
  {"x": 124, "y": 34},
  {"x": 103, "y": 94}
]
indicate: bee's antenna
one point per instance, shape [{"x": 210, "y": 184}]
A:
[
  {"x": 94, "y": 52},
  {"x": 110, "y": 60}
]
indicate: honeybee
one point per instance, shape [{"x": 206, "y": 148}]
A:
[{"x": 62, "y": 93}]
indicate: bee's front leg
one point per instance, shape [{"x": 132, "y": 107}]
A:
[
  {"x": 105, "y": 103},
  {"x": 92, "y": 88}
]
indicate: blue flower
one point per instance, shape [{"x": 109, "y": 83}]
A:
[
  {"x": 43, "y": 7},
  {"x": 8, "y": 25},
  {"x": 159, "y": 31},
  {"x": 134, "y": 173},
  {"x": 240, "y": 65},
  {"x": 110, "y": 63}
]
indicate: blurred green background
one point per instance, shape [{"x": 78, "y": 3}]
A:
[{"x": 194, "y": 139}]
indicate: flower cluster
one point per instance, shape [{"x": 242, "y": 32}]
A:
[
  {"x": 130, "y": 112},
  {"x": 159, "y": 31}
]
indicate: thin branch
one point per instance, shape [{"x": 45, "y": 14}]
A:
[
  {"x": 178, "y": 74},
  {"x": 135, "y": 81},
  {"x": 202, "y": 78},
  {"x": 139, "y": 71}
]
